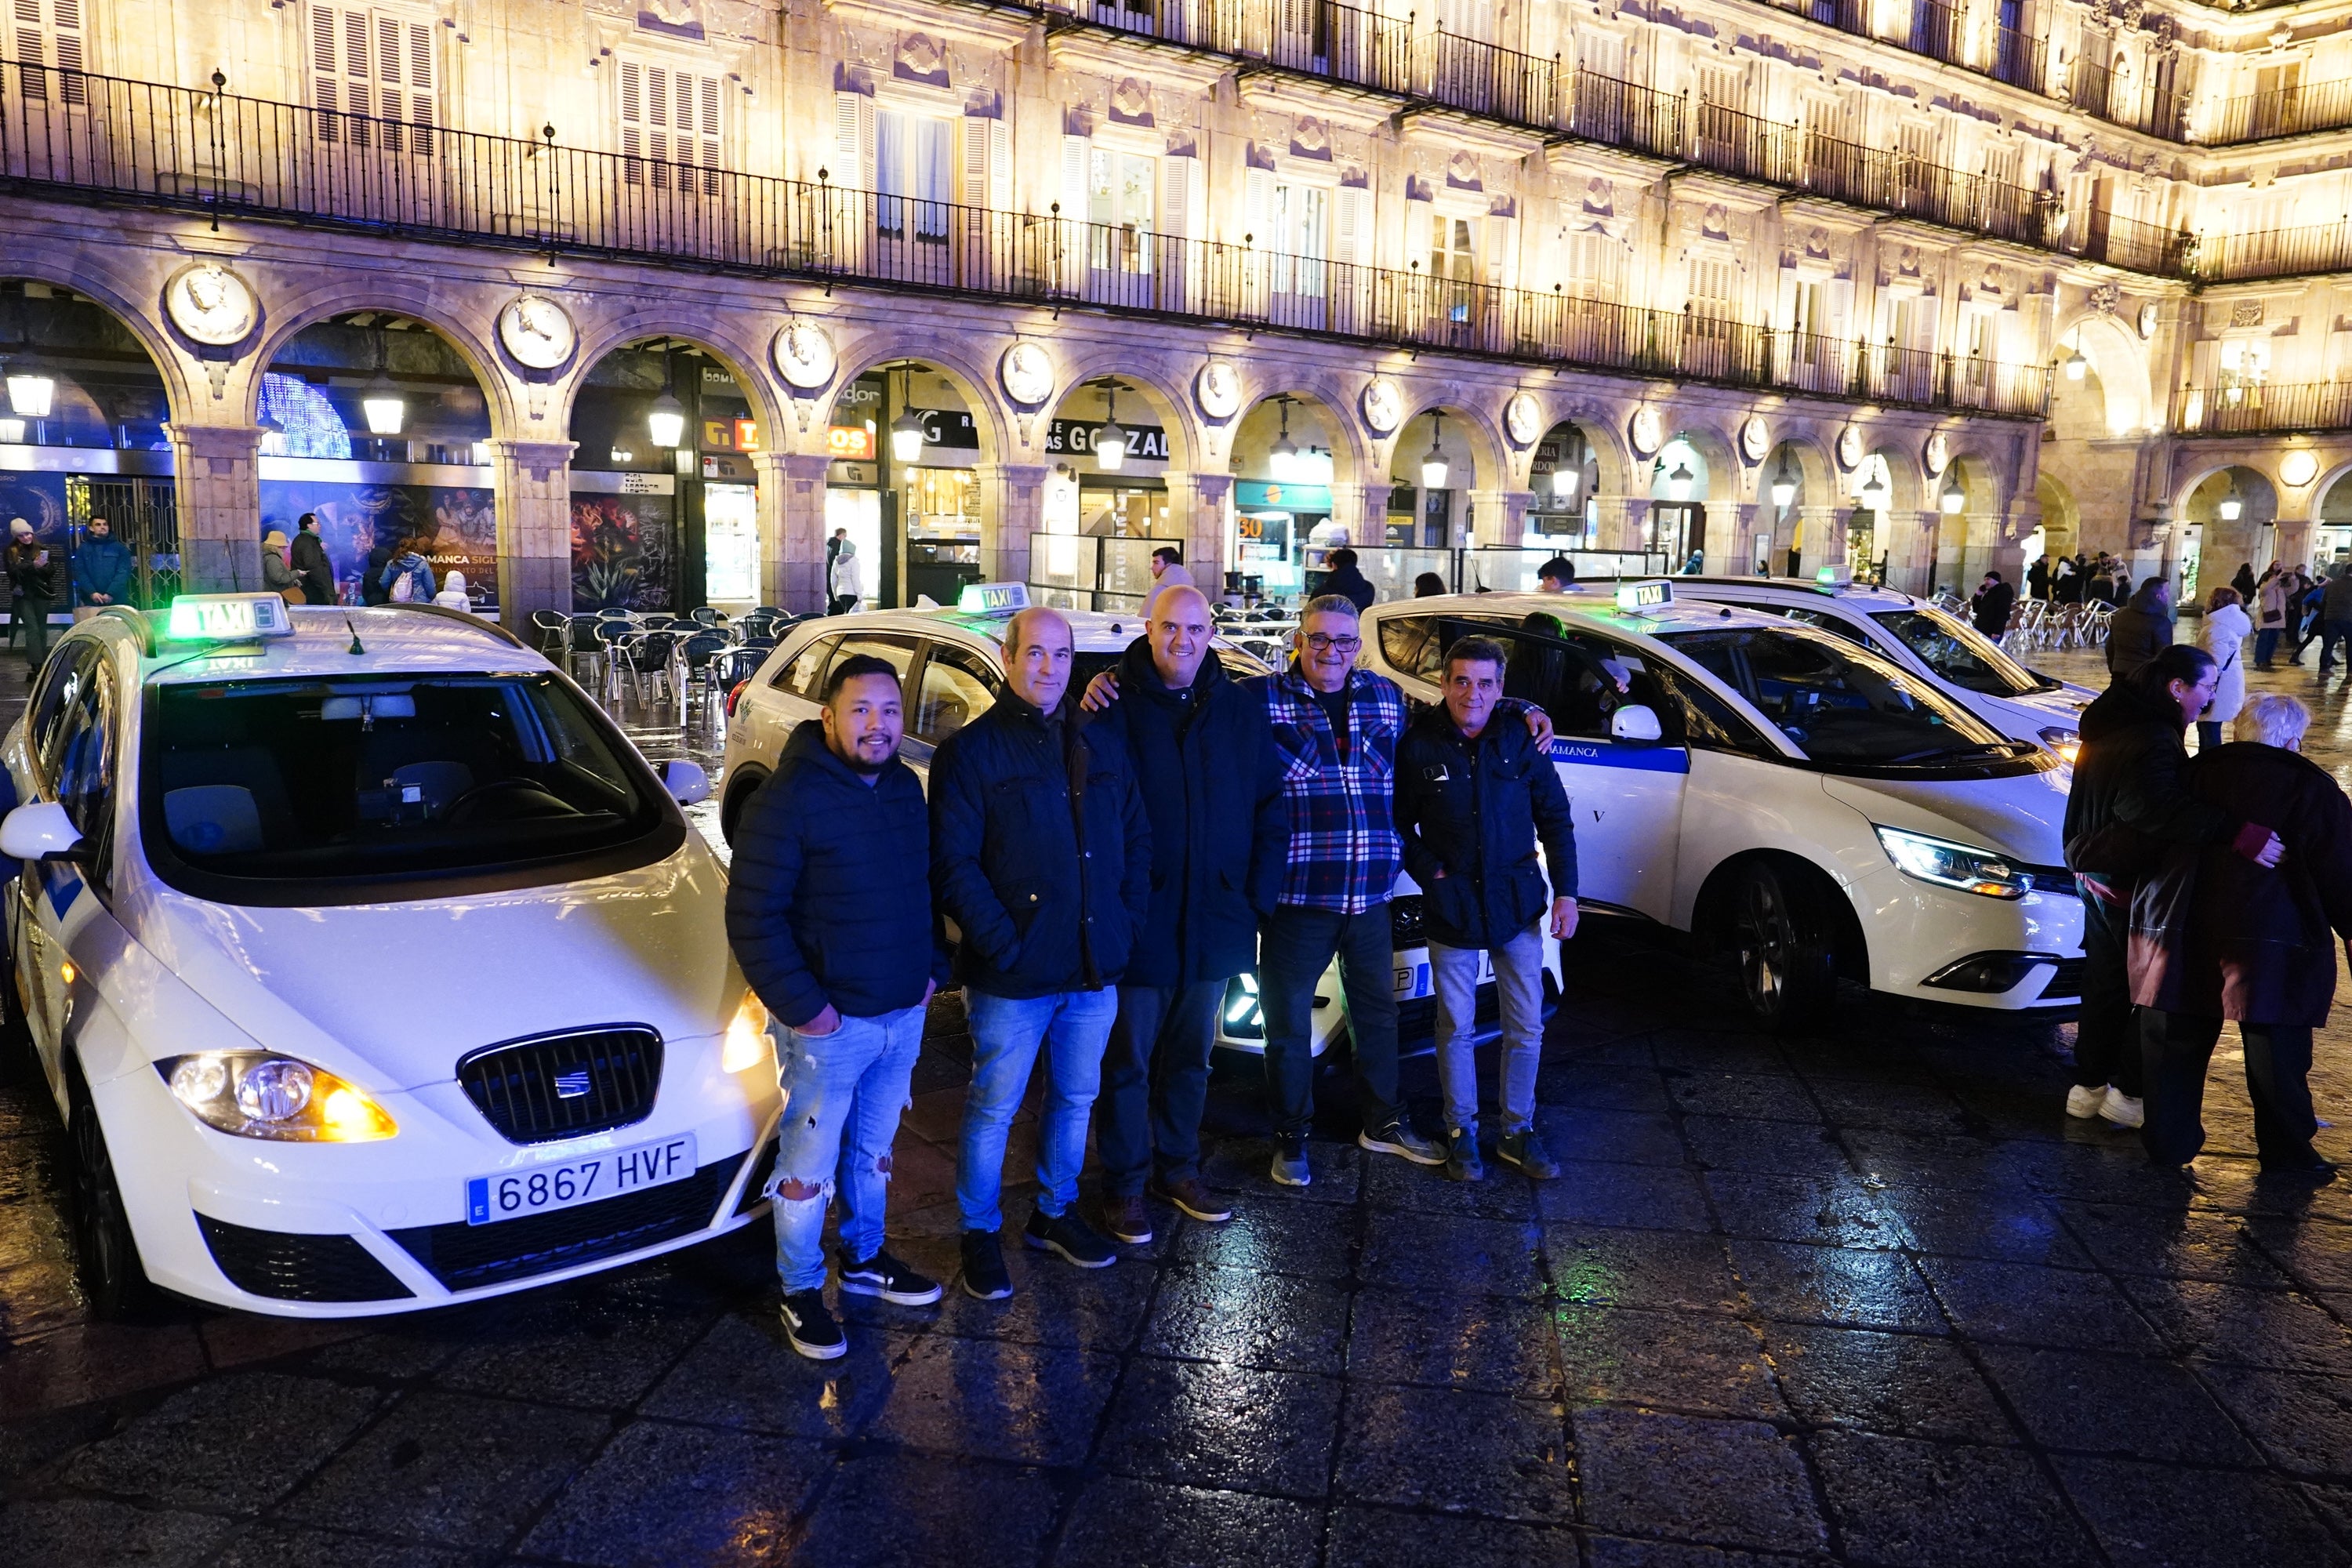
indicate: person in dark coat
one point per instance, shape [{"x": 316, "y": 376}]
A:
[
  {"x": 374, "y": 589},
  {"x": 312, "y": 569},
  {"x": 1347, "y": 580},
  {"x": 829, "y": 912},
  {"x": 1204, "y": 756},
  {"x": 33, "y": 575},
  {"x": 2140, "y": 630},
  {"x": 2037, "y": 578},
  {"x": 2066, "y": 580},
  {"x": 1989, "y": 609},
  {"x": 2128, "y": 803},
  {"x": 1041, "y": 853},
  {"x": 2244, "y": 582},
  {"x": 1428, "y": 586},
  {"x": 2332, "y": 624},
  {"x": 101, "y": 567},
  {"x": 1473, "y": 794},
  {"x": 2216, "y": 937}
]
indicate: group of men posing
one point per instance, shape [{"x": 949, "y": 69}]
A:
[{"x": 1111, "y": 862}]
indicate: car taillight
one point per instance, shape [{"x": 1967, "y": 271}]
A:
[{"x": 735, "y": 695}]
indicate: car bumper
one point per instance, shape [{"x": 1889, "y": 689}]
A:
[{"x": 1942, "y": 945}]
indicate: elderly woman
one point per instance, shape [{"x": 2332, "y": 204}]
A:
[
  {"x": 2215, "y": 936},
  {"x": 2224, "y": 636}
]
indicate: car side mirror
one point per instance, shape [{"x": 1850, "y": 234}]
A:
[
  {"x": 1637, "y": 723},
  {"x": 686, "y": 783},
  {"x": 41, "y": 831}
]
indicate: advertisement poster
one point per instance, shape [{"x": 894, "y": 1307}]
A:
[
  {"x": 622, "y": 548},
  {"x": 39, "y": 500},
  {"x": 454, "y": 527}
]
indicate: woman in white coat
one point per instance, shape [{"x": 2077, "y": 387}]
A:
[{"x": 2227, "y": 628}]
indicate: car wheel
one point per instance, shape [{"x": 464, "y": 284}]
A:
[
  {"x": 739, "y": 797},
  {"x": 1787, "y": 948},
  {"x": 112, "y": 1274}
]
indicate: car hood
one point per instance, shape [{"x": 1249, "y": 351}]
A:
[
  {"x": 2021, "y": 817},
  {"x": 408, "y": 988}
]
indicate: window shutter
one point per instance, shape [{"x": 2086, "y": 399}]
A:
[
  {"x": 325, "y": 86},
  {"x": 1499, "y": 231},
  {"x": 421, "y": 115},
  {"x": 1840, "y": 302},
  {"x": 1076, "y": 160},
  {"x": 710, "y": 126},
  {"x": 633, "y": 129},
  {"x": 1348, "y": 226},
  {"x": 1176, "y": 206},
  {"x": 1258, "y": 206},
  {"x": 1000, "y": 165},
  {"x": 974, "y": 151},
  {"x": 853, "y": 141}
]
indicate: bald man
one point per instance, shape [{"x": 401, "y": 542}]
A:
[{"x": 1041, "y": 853}]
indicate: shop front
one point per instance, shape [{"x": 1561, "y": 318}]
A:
[{"x": 903, "y": 480}]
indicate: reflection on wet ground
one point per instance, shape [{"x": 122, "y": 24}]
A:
[{"x": 1866, "y": 1297}]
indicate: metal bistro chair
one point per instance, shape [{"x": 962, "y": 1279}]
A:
[
  {"x": 583, "y": 642},
  {"x": 755, "y": 625},
  {"x": 694, "y": 656},
  {"x": 723, "y": 674},
  {"x": 548, "y": 625},
  {"x": 639, "y": 655},
  {"x": 708, "y": 616}
]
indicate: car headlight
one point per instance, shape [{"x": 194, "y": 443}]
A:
[
  {"x": 259, "y": 1094},
  {"x": 2065, "y": 742},
  {"x": 1950, "y": 864},
  {"x": 747, "y": 1035},
  {"x": 1243, "y": 1017}
]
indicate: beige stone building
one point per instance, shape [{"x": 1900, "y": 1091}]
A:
[{"x": 642, "y": 301}]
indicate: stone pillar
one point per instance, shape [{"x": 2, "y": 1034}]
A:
[
  {"x": 2295, "y": 544},
  {"x": 1011, "y": 508},
  {"x": 1200, "y": 507},
  {"x": 534, "y": 481},
  {"x": 1730, "y": 543},
  {"x": 791, "y": 529},
  {"x": 1912, "y": 568},
  {"x": 1363, "y": 512},
  {"x": 1617, "y": 522},
  {"x": 217, "y": 485},
  {"x": 1824, "y": 543},
  {"x": 1500, "y": 517}
]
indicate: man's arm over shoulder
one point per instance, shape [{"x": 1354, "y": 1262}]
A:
[
  {"x": 958, "y": 827},
  {"x": 762, "y": 886}
]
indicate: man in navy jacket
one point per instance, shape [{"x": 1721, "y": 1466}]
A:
[
  {"x": 1041, "y": 854},
  {"x": 1204, "y": 758},
  {"x": 829, "y": 912}
]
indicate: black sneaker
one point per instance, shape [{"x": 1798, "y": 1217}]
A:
[
  {"x": 1526, "y": 1151},
  {"x": 811, "y": 1328},
  {"x": 1071, "y": 1237},
  {"x": 1462, "y": 1161},
  {"x": 983, "y": 1266},
  {"x": 1398, "y": 1137},
  {"x": 883, "y": 1276}
]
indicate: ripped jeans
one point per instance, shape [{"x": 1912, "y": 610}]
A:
[{"x": 843, "y": 1094}]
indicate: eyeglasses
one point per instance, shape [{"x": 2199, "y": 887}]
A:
[{"x": 1322, "y": 642}]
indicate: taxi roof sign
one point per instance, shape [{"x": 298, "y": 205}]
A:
[
  {"x": 992, "y": 598},
  {"x": 229, "y": 618},
  {"x": 1835, "y": 576},
  {"x": 1644, "y": 596}
]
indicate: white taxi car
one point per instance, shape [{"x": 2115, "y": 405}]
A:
[
  {"x": 1963, "y": 663},
  {"x": 370, "y": 967},
  {"x": 1816, "y": 808},
  {"x": 952, "y": 664}
]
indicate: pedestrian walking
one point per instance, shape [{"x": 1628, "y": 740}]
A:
[
  {"x": 2127, "y": 803},
  {"x": 453, "y": 595},
  {"x": 2243, "y": 582},
  {"x": 2216, "y": 938},
  {"x": 1474, "y": 795},
  {"x": 102, "y": 570},
  {"x": 2066, "y": 581},
  {"x": 1989, "y": 607},
  {"x": 2141, "y": 629},
  {"x": 1041, "y": 853},
  {"x": 2272, "y": 598},
  {"x": 1205, "y": 759},
  {"x": 2334, "y": 619},
  {"x": 844, "y": 581},
  {"x": 308, "y": 559},
  {"x": 33, "y": 577},
  {"x": 829, "y": 912},
  {"x": 2224, "y": 636}
]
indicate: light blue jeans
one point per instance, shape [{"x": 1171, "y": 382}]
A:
[
  {"x": 851, "y": 1082},
  {"x": 1073, "y": 1027},
  {"x": 1518, "y": 991}
]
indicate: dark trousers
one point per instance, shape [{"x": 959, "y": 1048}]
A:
[
  {"x": 33, "y": 615},
  {"x": 2332, "y": 633},
  {"x": 2208, "y": 733},
  {"x": 1155, "y": 1081},
  {"x": 2107, "y": 1049},
  {"x": 2266, "y": 643},
  {"x": 2177, "y": 1048},
  {"x": 1294, "y": 948}
]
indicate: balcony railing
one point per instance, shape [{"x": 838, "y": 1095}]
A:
[
  {"x": 210, "y": 152},
  {"x": 2021, "y": 59},
  {"x": 2283, "y": 111},
  {"x": 2137, "y": 103},
  {"x": 2258, "y": 407},
  {"x": 1939, "y": 32}
]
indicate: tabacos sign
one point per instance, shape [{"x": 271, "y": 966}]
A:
[{"x": 1145, "y": 443}]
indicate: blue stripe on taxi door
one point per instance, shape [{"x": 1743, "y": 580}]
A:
[{"x": 1594, "y": 753}]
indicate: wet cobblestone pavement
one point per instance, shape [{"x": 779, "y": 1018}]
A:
[{"x": 1868, "y": 1297}]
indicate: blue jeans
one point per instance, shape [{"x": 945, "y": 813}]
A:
[
  {"x": 1518, "y": 992},
  {"x": 2266, "y": 643},
  {"x": 854, "y": 1081},
  {"x": 1006, "y": 1034}
]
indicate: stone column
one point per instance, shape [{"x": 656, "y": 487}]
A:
[
  {"x": 1730, "y": 543},
  {"x": 1618, "y": 523},
  {"x": 217, "y": 485},
  {"x": 1011, "y": 508},
  {"x": 1363, "y": 512},
  {"x": 533, "y": 481},
  {"x": 1200, "y": 506},
  {"x": 791, "y": 529},
  {"x": 1824, "y": 538},
  {"x": 1499, "y": 517}
]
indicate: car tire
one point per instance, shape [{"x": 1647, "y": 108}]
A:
[
  {"x": 1784, "y": 940},
  {"x": 738, "y": 795},
  {"x": 112, "y": 1278}
]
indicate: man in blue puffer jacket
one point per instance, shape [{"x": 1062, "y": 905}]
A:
[
  {"x": 101, "y": 567},
  {"x": 829, "y": 912}
]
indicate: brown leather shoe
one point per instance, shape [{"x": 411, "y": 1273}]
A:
[
  {"x": 1194, "y": 1200},
  {"x": 1127, "y": 1221}
]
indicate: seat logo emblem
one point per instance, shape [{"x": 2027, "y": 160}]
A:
[{"x": 571, "y": 1085}]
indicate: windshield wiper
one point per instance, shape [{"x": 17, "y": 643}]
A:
[{"x": 1930, "y": 754}]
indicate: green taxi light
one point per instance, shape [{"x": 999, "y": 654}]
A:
[
  {"x": 1644, "y": 596},
  {"x": 229, "y": 618}
]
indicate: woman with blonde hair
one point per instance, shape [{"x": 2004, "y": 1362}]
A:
[{"x": 2224, "y": 636}]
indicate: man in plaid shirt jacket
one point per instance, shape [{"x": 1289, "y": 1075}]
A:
[{"x": 1336, "y": 728}]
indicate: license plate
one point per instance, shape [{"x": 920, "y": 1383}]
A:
[
  {"x": 606, "y": 1173},
  {"x": 1413, "y": 980}
]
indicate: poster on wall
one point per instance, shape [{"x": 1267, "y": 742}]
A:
[
  {"x": 621, "y": 552},
  {"x": 454, "y": 527},
  {"x": 39, "y": 500}
]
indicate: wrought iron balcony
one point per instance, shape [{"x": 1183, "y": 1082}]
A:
[
  {"x": 2284, "y": 111},
  {"x": 2246, "y": 408},
  {"x": 2136, "y": 103},
  {"x": 210, "y": 152}
]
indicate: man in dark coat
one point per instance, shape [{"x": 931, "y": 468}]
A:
[
  {"x": 312, "y": 569},
  {"x": 2215, "y": 937},
  {"x": 829, "y": 912},
  {"x": 2140, "y": 630},
  {"x": 2127, "y": 805},
  {"x": 1204, "y": 756},
  {"x": 1472, "y": 796},
  {"x": 374, "y": 589},
  {"x": 101, "y": 567},
  {"x": 2334, "y": 622},
  {"x": 1347, "y": 580},
  {"x": 1041, "y": 853},
  {"x": 2037, "y": 578},
  {"x": 1991, "y": 605}
]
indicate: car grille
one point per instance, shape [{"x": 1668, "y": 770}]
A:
[
  {"x": 2066, "y": 985},
  {"x": 467, "y": 1257},
  {"x": 1405, "y": 922},
  {"x": 563, "y": 1086},
  {"x": 287, "y": 1267}
]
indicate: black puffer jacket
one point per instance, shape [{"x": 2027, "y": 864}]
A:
[
  {"x": 1211, "y": 784},
  {"x": 2129, "y": 802},
  {"x": 1041, "y": 854},
  {"x": 829, "y": 898},
  {"x": 2137, "y": 633},
  {"x": 1473, "y": 809}
]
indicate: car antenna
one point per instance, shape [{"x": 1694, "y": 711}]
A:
[{"x": 355, "y": 647}]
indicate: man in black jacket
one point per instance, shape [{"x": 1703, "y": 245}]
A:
[
  {"x": 1041, "y": 853},
  {"x": 2139, "y": 630},
  {"x": 1989, "y": 609},
  {"x": 829, "y": 912},
  {"x": 311, "y": 568},
  {"x": 1347, "y": 580},
  {"x": 1204, "y": 757},
  {"x": 2129, "y": 802},
  {"x": 1472, "y": 798}
]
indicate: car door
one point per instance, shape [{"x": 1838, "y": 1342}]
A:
[
  {"x": 68, "y": 912},
  {"x": 55, "y": 701}
]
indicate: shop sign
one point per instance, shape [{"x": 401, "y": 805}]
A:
[
  {"x": 718, "y": 435},
  {"x": 746, "y": 435},
  {"x": 859, "y": 475},
  {"x": 852, "y": 443},
  {"x": 644, "y": 484},
  {"x": 1282, "y": 498},
  {"x": 949, "y": 427},
  {"x": 715, "y": 467},
  {"x": 1145, "y": 443}
]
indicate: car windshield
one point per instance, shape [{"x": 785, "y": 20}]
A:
[
  {"x": 311, "y": 787},
  {"x": 1837, "y": 703},
  {"x": 1961, "y": 654}
]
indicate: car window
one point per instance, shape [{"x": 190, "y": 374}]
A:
[
  {"x": 1806, "y": 615},
  {"x": 1410, "y": 645},
  {"x": 1961, "y": 654},
  {"x": 85, "y": 752},
  {"x": 959, "y": 685},
  {"x": 1567, "y": 680},
  {"x": 803, "y": 675},
  {"x": 63, "y": 681},
  {"x": 897, "y": 651},
  {"x": 1837, "y": 703},
  {"x": 1709, "y": 722}
]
